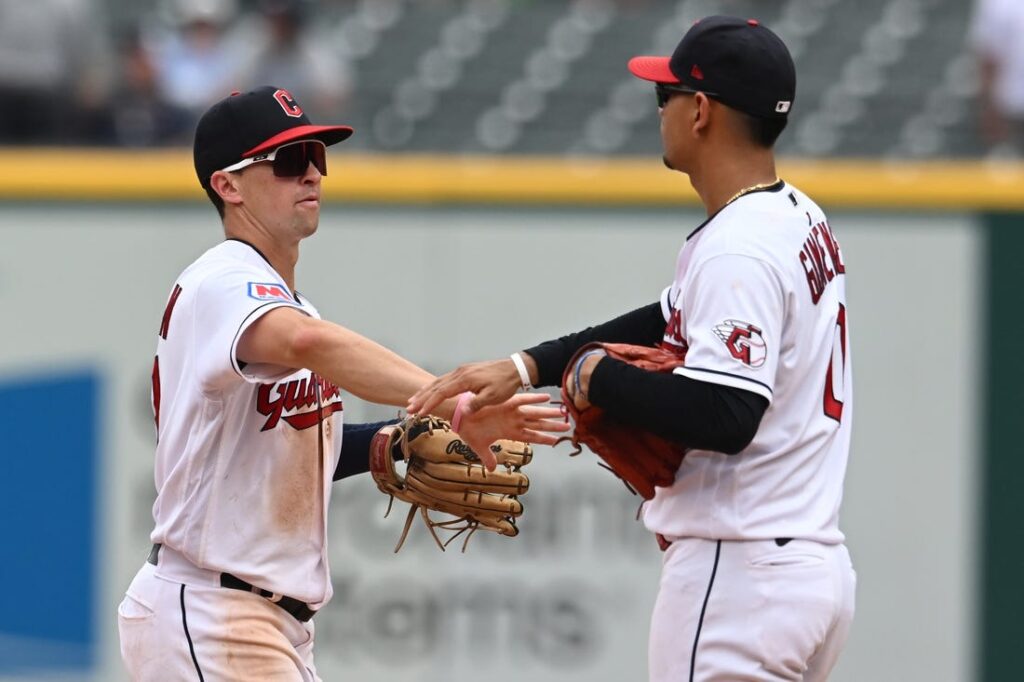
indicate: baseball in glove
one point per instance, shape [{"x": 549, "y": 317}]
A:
[
  {"x": 443, "y": 474},
  {"x": 640, "y": 458}
]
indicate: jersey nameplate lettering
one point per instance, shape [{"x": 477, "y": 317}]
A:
[{"x": 821, "y": 259}]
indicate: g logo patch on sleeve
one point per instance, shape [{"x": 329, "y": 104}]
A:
[
  {"x": 268, "y": 291},
  {"x": 744, "y": 342}
]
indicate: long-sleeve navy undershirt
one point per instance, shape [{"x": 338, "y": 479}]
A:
[
  {"x": 643, "y": 327},
  {"x": 355, "y": 448},
  {"x": 697, "y": 414}
]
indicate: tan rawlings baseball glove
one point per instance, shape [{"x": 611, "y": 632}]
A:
[
  {"x": 444, "y": 475},
  {"x": 640, "y": 458}
]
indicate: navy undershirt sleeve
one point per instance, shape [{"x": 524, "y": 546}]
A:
[
  {"x": 644, "y": 327},
  {"x": 355, "y": 448},
  {"x": 697, "y": 414}
]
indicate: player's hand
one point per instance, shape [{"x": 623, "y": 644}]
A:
[
  {"x": 521, "y": 417},
  {"x": 493, "y": 382}
]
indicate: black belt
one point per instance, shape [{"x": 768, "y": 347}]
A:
[{"x": 299, "y": 610}]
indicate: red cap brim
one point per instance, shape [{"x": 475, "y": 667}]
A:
[
  {"x": 652, "y": 69},
  {"x": 327, "y": 134}
]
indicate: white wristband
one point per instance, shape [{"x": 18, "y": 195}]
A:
[{"x": 524, "y": 376}]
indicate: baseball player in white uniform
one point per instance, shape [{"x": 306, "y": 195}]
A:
[
  {"x": 756, "y": 581},
  {"x": 247, "y": 400}
]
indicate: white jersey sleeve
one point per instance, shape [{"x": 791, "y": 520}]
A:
[
  {"x": 668, "y": 294},
  {"x": 734, "y": 323},
  {"x": 232, "y": 300}
]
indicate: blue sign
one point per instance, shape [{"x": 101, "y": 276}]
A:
[{"x": 49, "y": 440}]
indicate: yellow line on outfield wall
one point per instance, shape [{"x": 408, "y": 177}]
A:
[{"x": 125, "y": 175}]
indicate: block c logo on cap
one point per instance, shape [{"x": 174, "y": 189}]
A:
[
  {"x": 782, "y": 107},
  {"x": 288, "y": 103}
]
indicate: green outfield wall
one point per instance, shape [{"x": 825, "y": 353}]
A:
[{"x": 1002, "y": 574}]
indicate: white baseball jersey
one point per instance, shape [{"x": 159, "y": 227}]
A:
[
  {"x": 759, "y": 303},
  {"x": 246, "y": 454}
]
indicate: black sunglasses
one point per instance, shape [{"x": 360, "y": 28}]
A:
[
  {"x": 664, "y": 92},
  {"x": 290, "y": 160}
]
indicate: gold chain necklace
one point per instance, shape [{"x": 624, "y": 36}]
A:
[{"x": 752, "y": 188}]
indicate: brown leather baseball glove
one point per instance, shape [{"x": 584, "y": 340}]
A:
[
  {"x": 443, "y": 474},
  {"x": 640, "y": 458}
]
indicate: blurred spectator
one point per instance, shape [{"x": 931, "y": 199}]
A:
[
  {"x": 139, "y": 114},
  {"x": 996, "y": 37},
  {"x": 281, "y": 51},
  {"x": 54, "y": 69},
  {"x": 194, "y": 65}
]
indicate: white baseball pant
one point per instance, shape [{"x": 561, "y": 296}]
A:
[
  {"x": 750, "y": 611},
  {"x": 177, "y": 623}
]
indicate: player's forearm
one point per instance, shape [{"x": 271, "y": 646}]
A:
[
  {"x": 694, "y": 413},
  {"x": 358, "y": 365},
  {"x": 643, "y": 326}
]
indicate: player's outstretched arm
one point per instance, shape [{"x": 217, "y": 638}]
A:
[
  {"x": 496, "y": 380},
  {"x": 493, "y": 382},
  {"x": 360, "y": 366},
  {"x": 288, "y": 338}
]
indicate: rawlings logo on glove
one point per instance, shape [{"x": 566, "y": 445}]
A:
[{"x": 443, "y": 474}]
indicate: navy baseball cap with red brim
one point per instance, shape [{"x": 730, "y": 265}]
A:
[
  {"x": 246, "y": 124},
  {"x": 653, "y": 69},
  {"x": 737, "y": 61}
]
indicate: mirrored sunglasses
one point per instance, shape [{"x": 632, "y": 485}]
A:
[{"x": 290, "y": 160}]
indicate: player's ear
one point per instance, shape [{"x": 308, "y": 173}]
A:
[
  {"x": 226, "y": 185},
  {"x": 701, "y": 113}
]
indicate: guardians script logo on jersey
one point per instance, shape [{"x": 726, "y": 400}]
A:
[
  {"x": 744, "y": 341},
  {"x": 301, "y": 403}
]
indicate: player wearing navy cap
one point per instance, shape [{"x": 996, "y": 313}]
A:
[
  {"x": 756, "y": 581},
  {"x": 247, "y": 398}
]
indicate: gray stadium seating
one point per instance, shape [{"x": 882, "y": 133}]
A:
[{"x": 876, "y": 77}]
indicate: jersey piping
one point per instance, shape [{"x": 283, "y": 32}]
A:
[
  {"x": 703, "y": 610},
  {"x": 188, "y": 636},
  {"x": 256, "y": 314},
  {"x": 688, "y": 371},
  {"x": 775, "y": 187}
]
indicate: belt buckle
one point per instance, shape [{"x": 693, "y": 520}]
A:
[{"x": 266, "y": 594}]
